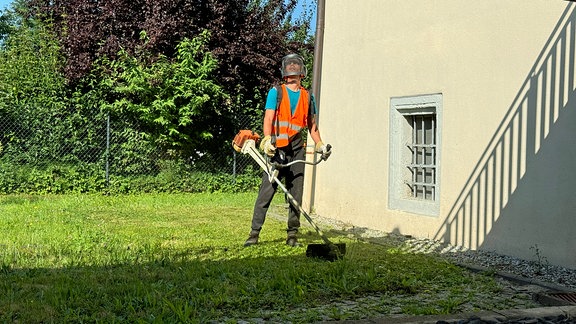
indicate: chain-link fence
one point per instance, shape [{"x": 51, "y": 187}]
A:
[{"x": 104, "y": 144}]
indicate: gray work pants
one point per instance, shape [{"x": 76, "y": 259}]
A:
[{"x": 293, "y": 177}]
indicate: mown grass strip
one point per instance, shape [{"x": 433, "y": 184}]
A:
[{"x": 179, "y": 258}]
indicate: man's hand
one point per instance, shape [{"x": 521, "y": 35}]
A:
[
  {"x": 324, "y": 150},
  {"x": 267, "y": 147}
]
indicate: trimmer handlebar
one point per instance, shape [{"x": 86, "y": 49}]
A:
[
  {"x": 245, "y": 142},
  {"x": 278, "y": 165}
]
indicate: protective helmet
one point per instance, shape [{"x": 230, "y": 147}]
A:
[{"x": 293, "y": 59}]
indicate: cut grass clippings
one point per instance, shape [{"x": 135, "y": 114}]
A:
[{"x": 180, "y": 258}]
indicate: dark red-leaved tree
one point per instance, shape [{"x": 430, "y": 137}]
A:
[{"x": 249, "y": 37}]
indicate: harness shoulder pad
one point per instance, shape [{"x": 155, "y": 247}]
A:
[{"x": 278, "y": 95}]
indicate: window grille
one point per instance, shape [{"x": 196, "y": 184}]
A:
[{"x": 423, "y": 163}]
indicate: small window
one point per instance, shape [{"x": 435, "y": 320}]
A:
[{"x": 415, "y": 154}]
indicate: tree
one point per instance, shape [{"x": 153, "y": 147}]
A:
[
  {"x": 4, "y": 26},
  {"x": 10, "y": 19},
  {"x": 247, "y": 40},
  {"x": 32, "y": 91},
  {"x": 248, "y": 36}
]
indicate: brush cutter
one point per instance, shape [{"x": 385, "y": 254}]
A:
[{"x": 245, "y": 142}]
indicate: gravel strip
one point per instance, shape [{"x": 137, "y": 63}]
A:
[{"x": 532, "y": 269}]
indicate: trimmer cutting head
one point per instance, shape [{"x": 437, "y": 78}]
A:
[{"x": 329, "y": 252}]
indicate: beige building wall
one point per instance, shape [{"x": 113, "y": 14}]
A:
[{"x": 505, "y": 70}]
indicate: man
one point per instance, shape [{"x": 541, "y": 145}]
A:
[{"x": 284, "y": 121}]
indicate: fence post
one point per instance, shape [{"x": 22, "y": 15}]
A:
[
  {"x": 234, "y": 167},
  {"x": 108, "y": 150}
]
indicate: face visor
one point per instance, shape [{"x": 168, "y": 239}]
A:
[{"x": 293, "y": 64}]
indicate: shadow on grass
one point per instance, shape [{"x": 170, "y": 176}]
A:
[
  {"x": 271, "y": 281},
  {"x": 193, "y": 285}
]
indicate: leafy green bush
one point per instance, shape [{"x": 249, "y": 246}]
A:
[
  {"x": 54, "y": 178},
  {"x": 177, "y": 102},
  {"x": 90, "y": 178},
  {"x": 194, "y": 182}
]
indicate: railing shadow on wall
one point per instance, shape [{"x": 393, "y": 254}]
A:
[{"x": 539, "y": 104}]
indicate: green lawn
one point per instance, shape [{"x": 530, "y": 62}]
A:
[{"x": 179, "y": 258}]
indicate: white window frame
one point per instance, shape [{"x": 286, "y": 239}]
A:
[{"x": 399, "y": 195}]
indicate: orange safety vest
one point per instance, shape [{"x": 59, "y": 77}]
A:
[{"x": 287, "y": 125}]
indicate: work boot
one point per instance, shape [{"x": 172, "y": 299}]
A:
[
  {"x": 292, "y": 240},
  {"x": 252, "y": 238}
]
